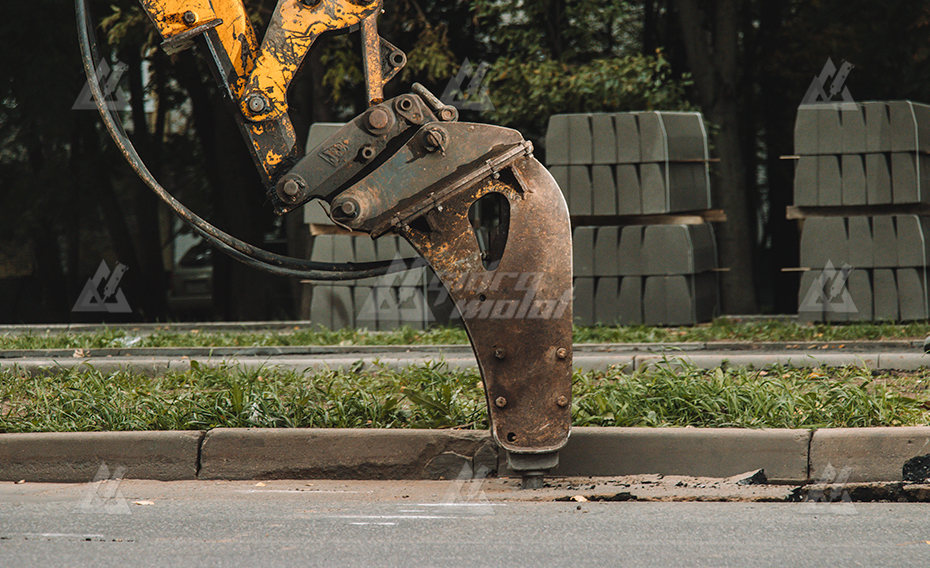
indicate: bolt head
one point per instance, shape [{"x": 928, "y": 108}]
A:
[
  {"x": 257, "y": 103},
  {"x": 562, "y": 401},
  {"x": 349, "y": 208},
  {"x": 500, "y": 353},
  {"x": 447, "y": 114},
  {"x": 500, "y": 402},
  {"x": 189, "y": 18},
  {"x": 561, "y": 353},
  {"x": 435, "y": 139},
  {"x": 291, "y": 187},
  {"x": 378, "y": 119}
]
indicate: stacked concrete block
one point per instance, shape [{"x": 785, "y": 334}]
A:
[
  {"x": 414, "y": 298},
  {"x": 865, "y": 268},
  {"x": 634, "y": 164},
  {"x": 873, "y": 153},
  {"x": 639, "y": 163},
  {"x": 652, "y": 274},
  {"x": 868, "y": 154}
]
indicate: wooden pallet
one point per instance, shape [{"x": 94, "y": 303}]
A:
[
  {"x": 683, "y": 218},
  {"x": 319, "y": 230},
  {"x": 794, "y": 212}
]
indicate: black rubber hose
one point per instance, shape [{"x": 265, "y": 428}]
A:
[{"x": 240, "y": 250}]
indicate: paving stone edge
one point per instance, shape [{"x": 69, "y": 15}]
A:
[
  {"x": 152, "y": 365},
  {"x": 788, "y": 456}
]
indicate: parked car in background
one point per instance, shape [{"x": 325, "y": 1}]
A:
[{"x": 192, "y": 281}]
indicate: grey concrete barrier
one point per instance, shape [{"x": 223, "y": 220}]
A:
[
  {"x": 700, "y": 452},
  {"x": 78, "y": 457},
  {"x": 903, "y": 361},
  {"x": 865, "y": 454},
  {"x": 763, "y": 360},
  {"x": 345, "y": 454}
]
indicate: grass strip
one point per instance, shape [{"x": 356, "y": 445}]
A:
[{"x": 431, "y": 396}]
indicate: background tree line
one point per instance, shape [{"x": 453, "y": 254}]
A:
[{"x": 68, "y": 200}]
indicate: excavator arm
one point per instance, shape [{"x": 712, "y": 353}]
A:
[{"x": 405, "y": 166}]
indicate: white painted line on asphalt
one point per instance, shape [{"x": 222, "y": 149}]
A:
[
  {"x": 461, "y": 504},
  {"x": 293, "y": 491},
  {"x": 64, "y": 535},
  {"x": 416, "y": 517}
]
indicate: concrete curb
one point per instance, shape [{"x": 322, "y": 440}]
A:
[
  {"x": 865, "y": 454},
  {"x": 77, "y": 457},
  {"x": 232, "y": 453},
  {"x": 153, "y": 365},
  {"x": 696, "y": 452},
  {"x": 787, "y": 456}
]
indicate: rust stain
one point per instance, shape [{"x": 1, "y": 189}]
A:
[{"x": 529, "y": 376}]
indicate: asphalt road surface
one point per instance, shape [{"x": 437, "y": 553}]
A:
[{"x": 419, "y": 524}]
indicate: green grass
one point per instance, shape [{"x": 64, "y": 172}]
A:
[
  {"x": 724, "y": 329},
  {"x": 720, "y": 330},
  {"x": 112, "y": 338},
  {"x": 738, "y": 397},
  {"x": 434, "y": 397}
]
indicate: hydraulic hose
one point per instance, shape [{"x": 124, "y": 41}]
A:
[{"x": 238, "y": 249}]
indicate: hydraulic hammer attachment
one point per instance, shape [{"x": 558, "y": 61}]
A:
[
  {"x": 405, "y": 166},
  {"x": 512, "y": 288}
]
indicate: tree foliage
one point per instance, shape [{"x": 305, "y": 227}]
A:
[{"x": 525, "y": 94}]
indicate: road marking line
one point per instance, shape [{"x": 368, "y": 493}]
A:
[
  {"x": 65, "y": 535},
  {"x": 394, "y": 517},
  {"x": 461, "y": 504},
  {"x": 291, "y": 491}
]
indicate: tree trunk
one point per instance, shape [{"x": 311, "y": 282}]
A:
[
  {"x": 650, "y": 28},
  {"x": 147, "y": 266},
  {"x": 555, "y": 26},
  {"x": 776, "y": 111},
  {"x": 713, "y": 62}
]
